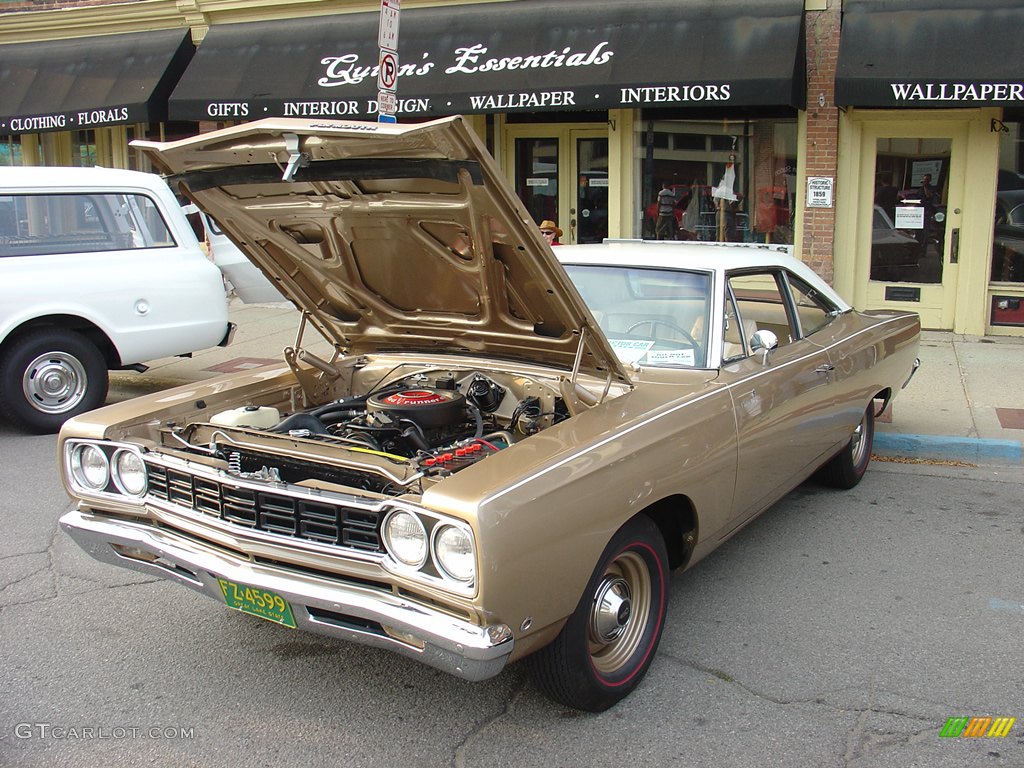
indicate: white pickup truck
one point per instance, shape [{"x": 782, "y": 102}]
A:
[{"x": 99, "y": 270}]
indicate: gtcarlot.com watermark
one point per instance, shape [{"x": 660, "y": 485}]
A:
[{"x": 53, "y": 731}]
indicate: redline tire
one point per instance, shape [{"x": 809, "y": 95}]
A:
[{"x": 607, "y": 645}]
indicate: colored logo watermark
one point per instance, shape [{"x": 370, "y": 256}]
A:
[{"x": 977, "y": 727}]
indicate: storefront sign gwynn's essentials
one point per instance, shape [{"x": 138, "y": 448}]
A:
[
  {"x": 545, "y": 55},
  {"x": 344, "y": 69}
]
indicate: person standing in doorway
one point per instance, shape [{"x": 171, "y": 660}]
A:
[
  {"x": 551, "y": 232},
  {"x": 929, "y": 201},
  {"x": 929, "y": 196},
  {"x": 666, "y": 227}
]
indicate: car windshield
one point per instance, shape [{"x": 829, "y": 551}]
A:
[{"x": 652, "y": 317}]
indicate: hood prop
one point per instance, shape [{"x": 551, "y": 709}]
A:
[
  {"x": 577, "y": 397},
  {"x": 319, "y": 385}
]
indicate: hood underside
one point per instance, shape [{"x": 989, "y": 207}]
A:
[{"x": 392, "y": 238}]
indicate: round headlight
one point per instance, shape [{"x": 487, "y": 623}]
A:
[
  {"x": 453, "y": 551},
  {"x": 90, "y": 467},
  {"x": 129, "y": 473},
  {"x": 405, "y": 538}
]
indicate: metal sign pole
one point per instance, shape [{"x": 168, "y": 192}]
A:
[{"x": 387, "y": 65}]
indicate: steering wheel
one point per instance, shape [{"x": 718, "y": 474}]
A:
[{"x": 668, "y": 324}]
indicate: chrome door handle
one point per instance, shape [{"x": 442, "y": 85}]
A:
[{"x": 826, "y": 368}]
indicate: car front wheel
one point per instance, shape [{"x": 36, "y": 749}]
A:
[
  {"x": 607, "y": 645},
  {"x": 48, "y": 376}
]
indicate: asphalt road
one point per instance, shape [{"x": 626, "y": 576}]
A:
[{"x": 839, "y": 629}]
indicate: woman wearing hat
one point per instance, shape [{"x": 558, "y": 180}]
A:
[{"x": 550, "y": 231}]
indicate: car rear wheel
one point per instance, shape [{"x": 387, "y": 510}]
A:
[
  {"x": 848, "y": 466},
  {"x": 607, "y": 645},
  {"x": 48, "y": 376}
]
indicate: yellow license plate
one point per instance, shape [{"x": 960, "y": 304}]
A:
[{"x": 257, "y": 602}]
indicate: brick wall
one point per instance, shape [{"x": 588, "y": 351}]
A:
[{"x": 822, "y": 132}]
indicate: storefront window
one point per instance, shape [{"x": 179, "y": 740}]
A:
[
  {"x": 1008, "y": 240},
  {"x": 83, "y": 148},
  {"x": 10, "y": 150},
  {"x": 170, "y": 131},
  {"x": 729, "y": 181},
  {"x": 137, "y": 160}
]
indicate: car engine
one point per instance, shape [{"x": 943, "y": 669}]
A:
[{"x": 393, "y": 440}]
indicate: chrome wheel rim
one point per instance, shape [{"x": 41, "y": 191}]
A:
[
  {"x": 858, "y": 445},
  {"x": 55, "y": 382},
  {"x": 619, "y": 613}
]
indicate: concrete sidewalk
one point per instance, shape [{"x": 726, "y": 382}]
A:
[{"x": 966, "y": 402}]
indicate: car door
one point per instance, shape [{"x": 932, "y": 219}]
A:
[{"x": 782, "y": 401}]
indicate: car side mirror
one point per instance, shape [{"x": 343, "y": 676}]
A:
[{"x": 765, "y": 341}]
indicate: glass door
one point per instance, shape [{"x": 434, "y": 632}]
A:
[
  {"x": 910, "y": 226},
  {"x": 545, "y": 161},
  {"x": 536, "y": 177},
  {"x": 590, "y": 213}
]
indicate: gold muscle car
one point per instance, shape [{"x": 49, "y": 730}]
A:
[{"x": 505, "y": 453}]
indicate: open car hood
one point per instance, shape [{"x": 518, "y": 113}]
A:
[{"x": 391, "y": 238}]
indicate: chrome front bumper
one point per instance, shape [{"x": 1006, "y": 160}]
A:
[{"x": 320, "y": 605}]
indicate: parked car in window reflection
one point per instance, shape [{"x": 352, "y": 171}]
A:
[
  {"x": 1008, "y": 241},
  {"x": 895, "y": 254}
]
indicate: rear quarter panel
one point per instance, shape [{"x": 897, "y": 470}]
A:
[{"x": 872, "y": 353}]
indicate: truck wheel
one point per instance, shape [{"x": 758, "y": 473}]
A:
[
  {"x": 607, "y": 645},
  {"x": 49, "y": 375},
  {"x": 846, "y": 468}
]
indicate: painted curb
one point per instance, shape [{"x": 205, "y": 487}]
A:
[{"x": 969, "y": 449}]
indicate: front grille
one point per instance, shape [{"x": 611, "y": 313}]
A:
[{"x": 323, "y": 522}]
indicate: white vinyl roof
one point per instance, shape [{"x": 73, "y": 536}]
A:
[{"x": 711, "y": 257}]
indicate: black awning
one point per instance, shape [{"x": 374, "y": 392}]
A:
[
  {"x": 931, "y": 53},
  {"x": 66, "y": 85},
  {"x": 529, "y": 55}
]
